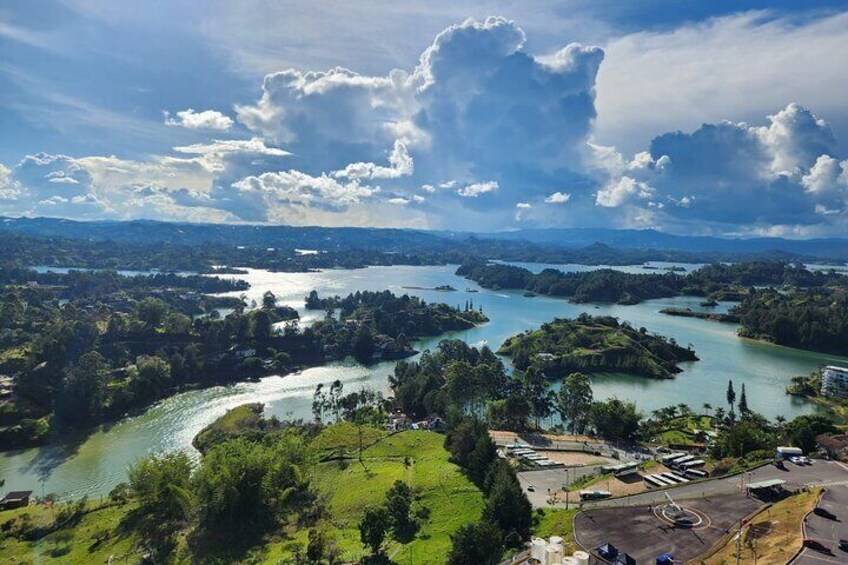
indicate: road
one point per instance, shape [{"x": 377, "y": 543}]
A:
[
  {"x": 820, "y": 473},
  {"x": 826, "y": 531}
]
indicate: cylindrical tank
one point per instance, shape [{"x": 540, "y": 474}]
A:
[
  {"x": 556, "y": 540},
  {"x": 581, "y": 558},
  {"x": 569, "y": 561},
  {"x": 537, "y": 549},
  {"x": 553, "y": 555}
]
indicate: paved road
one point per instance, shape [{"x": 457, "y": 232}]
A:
[
  {"x": 827, "y": 473},
  {"x": 828, "y": 532},
  {"x": 823, "y": 473}
]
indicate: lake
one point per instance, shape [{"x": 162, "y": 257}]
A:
[{"x": 93, "y": 464}]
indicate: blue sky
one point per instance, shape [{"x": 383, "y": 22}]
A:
[{"x": 690, "y": 117}]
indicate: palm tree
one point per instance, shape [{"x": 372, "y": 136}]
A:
[{"x": 707, "y": 408}]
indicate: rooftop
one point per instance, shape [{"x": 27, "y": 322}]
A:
[{"x": 766, "y": 484}]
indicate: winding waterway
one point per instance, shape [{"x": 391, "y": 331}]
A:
[{"x": 93, "y": 464}]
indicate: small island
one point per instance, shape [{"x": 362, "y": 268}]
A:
[
  {"x": 440, "y": 288},
  {"x": 711, "y": 316},
  {"x": 592, "y": 344}
]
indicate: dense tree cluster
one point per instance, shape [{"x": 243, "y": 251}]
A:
[
  {"x": 815, "y": 319},
  {"x": 455, "y": 376},
  {"x": 603, "y": 285},
  {"x": 507, "y": 515}
]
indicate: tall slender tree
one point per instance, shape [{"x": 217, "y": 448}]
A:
[
  {"x": 731, "y": 394},
  {"x": 743, "y": 401}
]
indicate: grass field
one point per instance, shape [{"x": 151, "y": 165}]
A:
[
  {"x": 558, "y": 522},
  {"x": 415, "y": 457},
  {"x": 96, "y": 538},
  {"x": 773, "y": 536},
  {"x": 345, "y": 486}
]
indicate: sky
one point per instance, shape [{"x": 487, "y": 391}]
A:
[{"x": 720, "y": 118}]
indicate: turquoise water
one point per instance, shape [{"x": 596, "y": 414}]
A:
[{"x": 94, "y": 464}]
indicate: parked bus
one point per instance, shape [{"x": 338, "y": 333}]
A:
[
  {"x": 594, "y": 494},
  {"x": 693, "y": 464},
  {"x": 656, "y": 481},
  {"x": 695, "y": 474}
]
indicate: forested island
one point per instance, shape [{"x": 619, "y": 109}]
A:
[
  {"x": 85, "y": 347},
  {"x": 595, "y": 344},
  {"x": 799, "y": 307},
  {"x": 379, "y": 325}
]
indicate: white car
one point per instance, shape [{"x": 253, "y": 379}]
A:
[
  {"x": 796, "y": 460},
  {"x": 805, "y": 461}
]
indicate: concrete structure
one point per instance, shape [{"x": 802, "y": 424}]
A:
[{"x": 835, "y": 382}]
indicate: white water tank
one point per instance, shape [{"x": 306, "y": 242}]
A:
[
  {"x": 569, "y": 561},
  {"x": 537, "y": 549},
  {"x": 556, "y": 540},
  {"x": 553, "y": 555},
  {"x": 581, "y": 558}
]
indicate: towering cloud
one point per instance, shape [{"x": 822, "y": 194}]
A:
[{"x": 780, "y": 177}]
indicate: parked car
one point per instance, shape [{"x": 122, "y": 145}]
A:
[
  {"x": 796, "y": 460},
  {"x": 824, "y": 513},
  {"x": 816, "y": 545},
  {"x": 531, "y": 488},
  {"x": 843, "y": 545}
]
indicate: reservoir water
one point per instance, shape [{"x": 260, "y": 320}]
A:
[{"x": 93, "y": 464}]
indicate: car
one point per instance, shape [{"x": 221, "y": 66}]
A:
[
  {"x": 531, "y": 488},
  {"x": 805, "y": 461},
  {"x": 843, "y": 545},
  {"x": 824, "y": 513},
  {"x": 816, "y": 545},
  {"x": 796, "y": 460}
]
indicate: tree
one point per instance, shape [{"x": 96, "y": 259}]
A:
[
  {"x": 731, "y": 394},
  {"x": 707, "y": 408},
  {"x": 802, "y": 431},
  {"x": 316, "y": 547},
  {"x": 743, "y": 401},
  {"x": 83, "y": 391},
  {"x": 536, "y": 389},
  {"x": 150, "y": 377},
  {"x": 616, "y": 420},
  {"x": 269, "y": 300},
  {"x": 399, "y": 505},
  {"x": 151, "y": 312},
  {"x": 161, "y": 487},
  {"x": 261, "y": 328},
  {"x": 479, "y": 543},
  {"x": 243, "y": 487},
  {"x": 507, "y": 506},
  {"x": 363, "y": 345},
  {"x": 373, "y": 528},
  {"x": 575, "y": 402}
]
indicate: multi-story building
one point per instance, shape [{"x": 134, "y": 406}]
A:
[{"x": 835, "y": 382}]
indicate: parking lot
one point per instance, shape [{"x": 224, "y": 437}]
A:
[
  {"x": 633, "y": 525},
  {"x": 641, "y": 533},
  {"x": 827, "y": 531}
]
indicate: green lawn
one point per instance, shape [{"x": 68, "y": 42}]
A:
[
  {"x": 557, "y": 522},
  {"x": 345, "y": 486},
  {"x": 95, "y": 539},
  {"x": 416, "y": 457}
]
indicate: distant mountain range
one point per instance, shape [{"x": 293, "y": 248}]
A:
[
  {"x": 652, "y": 239},
  {"x": 146, "y": 232}
]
